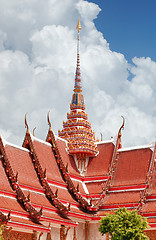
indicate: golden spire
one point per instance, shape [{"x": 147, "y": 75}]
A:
[
  {"x": 78, "y": 26},
  {"x": 77, "y": 130}
]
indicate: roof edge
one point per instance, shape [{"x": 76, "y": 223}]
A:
[
  {"x": 39, "y": 140},
  {"x": 151, "y": 146},
  {"x": 107, "y": 141},
  {"x": 13, "y": 145}
]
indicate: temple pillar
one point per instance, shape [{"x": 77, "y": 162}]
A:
[
  {"x": 64, "y": 232},
  {"x": 34, "y": 235},
  {"x": 74, "y": 236},
  {"x": 48, "y": 236},
  {"x": 86, "y": 230}
]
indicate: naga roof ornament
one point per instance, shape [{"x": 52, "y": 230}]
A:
[
  {"x": 77, "y": 130},
  {"x": 26, "y": 124}
]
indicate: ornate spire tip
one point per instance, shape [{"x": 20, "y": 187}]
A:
[{"x": 78, "y": 26}]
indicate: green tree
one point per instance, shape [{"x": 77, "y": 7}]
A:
[
  {"x": 1, "y": 232},
  {"x": 124, "y": 225}
]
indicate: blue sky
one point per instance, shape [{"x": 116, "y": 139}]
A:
[{"x": 129, "y": 26}]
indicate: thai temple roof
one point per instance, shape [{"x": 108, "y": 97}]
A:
[{"x": 71, "y": 178}]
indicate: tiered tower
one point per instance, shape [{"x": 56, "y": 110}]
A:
[{"x": 77, "y": 130}]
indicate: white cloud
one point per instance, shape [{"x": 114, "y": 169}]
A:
[
  {"x": 88, "y": 10},
  {"x": 38, "y": 59},
  {"x": 54, "y": 47},
  {"x": 2, "y": 40}
]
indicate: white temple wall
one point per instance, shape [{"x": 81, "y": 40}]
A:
[
  {"x": 55, "y": 233},
  {"x": 93, "y": 233},
  {"x": 80, "y": 231}
]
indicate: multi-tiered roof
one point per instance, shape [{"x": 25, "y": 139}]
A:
[{"x": 77, "y": 130}]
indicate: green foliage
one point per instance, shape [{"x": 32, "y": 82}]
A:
[
  {"x": 124, "y": 225},
  {"x": 1, "y": 232}
]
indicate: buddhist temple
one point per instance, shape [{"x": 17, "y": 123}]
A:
[{"x": 60, "y": 187}]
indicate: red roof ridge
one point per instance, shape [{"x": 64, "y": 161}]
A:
[
  {"x": 149, "y": 179},
  {"x": 151, "y": 197},
  {"x": 127, "y": 188},
  {"x": 115, "y": 206},
  {"x": 71, "y": 187},
  {"x": 29, "y": 226},
  {"x": 52, "y": 197},
  {"x": 112, "y": 167},
  {"x": 45, "y": 208},
  {"x": 26, "y": 203},
  {"x": 151, "y": 146},
  {"x": 88, "y": 179}
]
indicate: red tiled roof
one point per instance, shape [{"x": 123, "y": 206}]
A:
[
  {"x": 123, "y": 197},
  {"x": 47, "y": 160},
  {"x": 37, "y": 200},
  {"x": 4, "y": 183},
  {"x": 24, "y": 223},
  {"x": 132, "y": 167},
  {"x": 153, "y": 187},
  {"x": 57, "y": 219},
  {"x": 149, "y": 206},
  {"x": 94, "y": 187},
  {"x": 81, "y": 189},
  {"x": 66, "y": 157},
  {"x": 21, "y": 162},
  {"x": 99, "y": 165},
  {"x": 10, "y": 204}
]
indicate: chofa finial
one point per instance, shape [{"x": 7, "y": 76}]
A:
[
  {"x": 26, "y": 124},
  {"x": 101, "y": 137},
  {"x": 34, "y": 131},
  {"x": 48, "y": 119},
  {"x": 78, "y": 27},
  {"x": 122, "y": 127}
]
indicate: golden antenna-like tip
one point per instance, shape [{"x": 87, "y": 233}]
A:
[
  {"x": 48, "y": 119},
  {"x": 78, "y": 26},
  {"x": 26, "y": 124}
]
